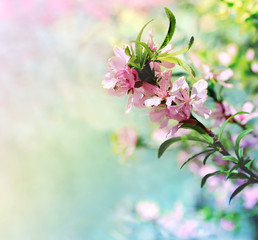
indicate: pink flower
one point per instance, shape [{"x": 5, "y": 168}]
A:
[
  {"x": 125, "y": 141},
  {"x": 232, "y": 49},
  {"x": 254, "y": 67},
  {"x": 171, "y": 220},
  {"x": 224, "y": 76},
  {"x": 125, "y": 81},
  {"x": 147, "y": 210},
  {"x": 224, "y": 58},
  {"x": 188, "y": 229},
  {"x": 250, "y": 197},
  {"x": 115, "y": 64},
  {"x": 185, "y": 103},
  {"x": 154, "y": 48},
  {"x": 161, "y": 134},
  {"x": 161, "y": 92},
  {"x": 222, "y": 111},
  {"x": 207, "y": 72},
  {"x": 160, "y": 98},
  {"x": 250, "y": 54},
  {"x": 227, "y": 225},
  {"x": 244, "y": 118}
]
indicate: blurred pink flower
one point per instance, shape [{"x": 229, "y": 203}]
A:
[
  {"x": 224, "y": 58},
  {"x": 147, "y": 210},
  {"x": 185, "y": 103},
  {"x": 220, "y": 77},
  {"x": 224, "y": 76},
  {"x": 154, "y": 48},
  {"x": 250, "y": 54},
  {"x": 171, "y": 220},
  {"x": 244, "y": 118},
  {"x": 125, "y": 141},
  {"x": 227, "y": 225},
  {"x": 188, "y": 229},
  {"x": 254, "y": 67},
  {"x": 220, "y": 113},
  {"x": 250, "y": 197},
  {"x": 161, "y": 134},
  {"x": 207, "y": 72},
  {"x": 232, "y": 49}
]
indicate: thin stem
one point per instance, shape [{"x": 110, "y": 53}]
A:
[{"x": 224, "y": 151}]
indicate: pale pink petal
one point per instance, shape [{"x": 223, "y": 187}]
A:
[
  {"x": 207, "y": 72},
  {"x": 226, "y": 85},
  {"x": 164, "y": 123},
  {"x": 165, "y": 81},
  {"x": 153, "y": 101},
  {"x": 120, "y": 52},
  {"x": 157, "y": 114},
  {"x": 130, "y": 104},
  {"x": 250, "y": 54},
  {"x": 149, "y": 89},
  {"x": 201, "y": 110},
  {"x": 224, "y": 58},
  {"x": 147, "y": 210},
  {"x": 173, "y": 130},
  {"x": 250, "y": 197},
  {"x": 232, "y": 49},
  {"x": 180, "y": 83},
  {"x": 199, "y": 91},
  {"x": 167, "y": 64},
  {"x": 248, "y": 107},
  {"x": 227, "y": 225},
  {"x": 225, "y": 75},
  {"x": 169, "y": 100},
  {"x": 155, "y": 66},
  {"x": 254, "y": 67}
]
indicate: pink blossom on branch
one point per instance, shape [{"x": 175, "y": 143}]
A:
[{"x": 187, "y": 102}]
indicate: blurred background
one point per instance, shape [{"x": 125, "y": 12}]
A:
[{"x": 59, "y": 177}]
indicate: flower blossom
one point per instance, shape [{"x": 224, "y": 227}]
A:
[
  {"x": 154, "y": 48},
  {"x": 147, "y": 210},
  {"x": 250, "y": 197},
  {"x": 121, "y": 79},
  {"x": 224, "y": 110},
  {"x": 220, "y": 76},
  {"x": 115, "y": 64},
  {"x": 186, "y": 102},
  {"x": 125, "y": 141}
]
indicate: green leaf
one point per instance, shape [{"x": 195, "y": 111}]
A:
[
  {"x": 198, "y": 129},
  {"x": 207, "y": 156},
  {"x": 134, "y": 62},
  {"x": 182, "y": 51},
  {"x": 225, "y": 123},
  {"x": 238, "y": 190},
  {"x": 144, "y": 58},
  {"x": 164, "y": 146},
  {"x": 240, "y": 136},
  {"x": 249, "y": 163},
  {"x": 179, "y": 62},
  {"x": 138, "y": 48},
  {"x": 205, "y": 178},
  {"x": 194, "y": 156},
  {"x": 127, "y": 51},
  {"x": 171, "y": 28},
  {"x": 230, "y": 171},
  {"x": 241, "y": 152},
  {"x": 230, "y": 158},
  {"x": 238, "y": 175},
  {"x": 145, "y": 45}
]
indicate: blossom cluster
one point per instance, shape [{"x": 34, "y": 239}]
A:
[{"x": 151, "y": 87}]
